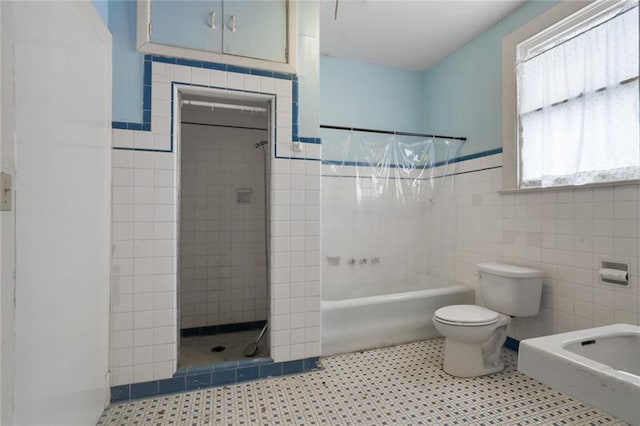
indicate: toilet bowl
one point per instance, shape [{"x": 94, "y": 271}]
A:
[{"x": 475, "y": 334}]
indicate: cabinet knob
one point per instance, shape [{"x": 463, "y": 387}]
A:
[{"x": 213, "y": 20}]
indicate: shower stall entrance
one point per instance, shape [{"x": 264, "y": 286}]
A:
[{"x": 223, "y": 232}]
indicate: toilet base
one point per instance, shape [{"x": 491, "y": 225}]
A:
[{"x": 472, "y": 360}]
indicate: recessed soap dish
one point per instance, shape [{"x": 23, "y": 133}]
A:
[{"x": 243, "y": 196}]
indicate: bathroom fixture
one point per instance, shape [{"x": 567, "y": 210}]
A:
[
  {"x": 475, "y": 334},
  {"x": 252, "y": 348},
  {"x": 599, "y": 366},
  {"x": 333, "y": 260},
  {"x": 220, "y": 105},
  {"x": 614, "y": 273},
  {"x": 243, "y": 196},
  {"x": 352, "y": 322}
]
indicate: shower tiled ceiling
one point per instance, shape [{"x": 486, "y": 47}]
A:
[{"x": 413, "y": 35}]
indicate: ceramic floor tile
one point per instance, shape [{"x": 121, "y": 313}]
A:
[{"x": 397, "y": 385}]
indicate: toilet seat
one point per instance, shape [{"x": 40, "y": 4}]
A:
[{"x": 466, "y": 315}]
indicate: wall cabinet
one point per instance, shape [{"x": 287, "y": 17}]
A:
[{"x": 255, "y": 33}]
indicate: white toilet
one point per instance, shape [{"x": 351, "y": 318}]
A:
[{"x": 475, "y": 334}]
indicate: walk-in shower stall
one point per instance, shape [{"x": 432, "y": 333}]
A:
[{"x": 223, "y": 233}]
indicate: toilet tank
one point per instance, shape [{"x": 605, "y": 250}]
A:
[{"x": 511, "y": 290}]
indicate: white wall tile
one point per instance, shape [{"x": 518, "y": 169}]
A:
[{"x": 144, "y": 213}]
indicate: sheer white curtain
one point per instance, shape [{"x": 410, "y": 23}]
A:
[{"x": 578, "y": 107}]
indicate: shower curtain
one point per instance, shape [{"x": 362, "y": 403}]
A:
[{"x": 381, "y": 212}]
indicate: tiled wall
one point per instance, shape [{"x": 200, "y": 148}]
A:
[
  {"x": 566, "y": 233},
  {"x": 144, "y": 265},
  {"x": 222, "y": 243},
  {"x": 359, "y": 222}
]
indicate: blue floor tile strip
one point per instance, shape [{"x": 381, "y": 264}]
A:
[
  {"x": 200, "y": 377},
  {"x": 512, "y": 344}
]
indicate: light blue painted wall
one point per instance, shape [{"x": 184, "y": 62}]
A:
[
  {"x": 127, "y": 62},
  {"x": 356, "y": 94},
  {"x": 103, "y": 10},
  {"x": 463, "y": 93}
]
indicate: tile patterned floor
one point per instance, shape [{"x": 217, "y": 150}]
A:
[
  {"x": 396, "y": 385},
  {"x": 196, "y": 350}
]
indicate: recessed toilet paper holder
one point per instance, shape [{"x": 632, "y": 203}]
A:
[{"x": 614, "y": 273}]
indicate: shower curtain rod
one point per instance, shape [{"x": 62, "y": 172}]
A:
[
  {"x": 391, "y": 132},
  {"x": 228, "y": 126}
]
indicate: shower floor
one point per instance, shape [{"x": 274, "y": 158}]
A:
[{"x": 196, "y": 350}]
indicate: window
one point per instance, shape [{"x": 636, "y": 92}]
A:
[{"x": 576, "y": 106}]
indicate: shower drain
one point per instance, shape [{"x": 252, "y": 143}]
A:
[{"x": 218, "y": 349}]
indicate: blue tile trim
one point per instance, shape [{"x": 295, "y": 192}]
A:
[
  {"x": 146, "y": 98},
  {"x": 173, "y": 385},
  {"x": 189, "y": 63},
  {"x": 310, "y": 363},
  {"x": 271, "y": 370},
  {"x": 227, "y": 365},
  {"x": 221, "y": 378},
  {"x": 143, "y": 390},
  {"x": 195, "y": 370},
  {"x": 425, "y": 166},
  {"x": 478, "y": 155},
  {"x": 162, "y": 59},
  {"x": 198, "y": 381},
  {"x": 205, "y": 376},
  {"x": 222, "y": 328},
  {"x": 284, "y": 76},
  {"x": 293, "y": 367},
  {"x": 120, "y": 393},
  {"x": 248, "y": 373},
  {"x": 512, "y": 344},
  {"x": 316, "y": 141}
]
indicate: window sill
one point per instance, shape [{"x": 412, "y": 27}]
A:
[{"x": 574, "y": 187}]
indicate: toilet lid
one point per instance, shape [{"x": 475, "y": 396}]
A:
[{"x": 466, "y": 314}]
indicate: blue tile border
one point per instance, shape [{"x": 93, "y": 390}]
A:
[
  {"x": 222, "y": 328},
  {"x": 198, "y": 381},
  {"x": 425, "y": 166},
  {"x": 271, "y": 370},
  {"x": 175, "y": 384},
  {"x": 248, "y": 373},
  {"x": 200, "y": 377},
  {"x": 143, "y": 390},
  {"x": 145, "y": 126},
  {"x": 512, "y": 344}
]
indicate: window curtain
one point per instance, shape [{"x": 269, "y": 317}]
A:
[{"x": 578, "y": 107}]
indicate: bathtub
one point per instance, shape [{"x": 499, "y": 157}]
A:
[
  {"x": 369, "y": 322},
  {"x": 600, "y": 366}
]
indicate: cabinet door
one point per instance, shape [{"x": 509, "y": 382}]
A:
[
  {"x": 256, "y": 29},
  {"x": 187, "y": 23}
]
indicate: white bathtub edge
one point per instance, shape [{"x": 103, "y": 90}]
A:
[{"x": 377, "y": 321}]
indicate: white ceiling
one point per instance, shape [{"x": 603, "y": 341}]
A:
[{"x": 409, "y": 34}]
